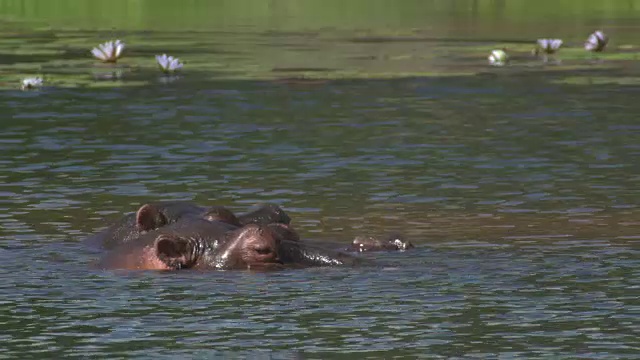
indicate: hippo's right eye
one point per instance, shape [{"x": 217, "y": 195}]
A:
[{"x": 263, "y": 250}]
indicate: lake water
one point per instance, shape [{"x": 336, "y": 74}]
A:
[{"x": 517, "y": 184}]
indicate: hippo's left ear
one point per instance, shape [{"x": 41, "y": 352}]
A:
[
  {"x": 174, "y": 251},
  {"x": 221, "y": 213},
  {"x": 149, "y": 218}
]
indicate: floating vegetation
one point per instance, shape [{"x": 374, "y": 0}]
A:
[
  {"x": 31, "y": 83},
  {"x": 61, "y": 57},
  {"x": 547, "y": 47},
  {"x": 109, "y": 51},
  {"x": 168, "y": 64},
  {"x": 109, "y": 75},
  {"x": 596, "y": 42},
  {"x": 599, "y": 80},
  {"x": 498, "y": 58},
  {"x": 168, "y": 79},
  {"x": 87, "y": 81}
]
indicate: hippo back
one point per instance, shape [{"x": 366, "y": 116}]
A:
[{"x": 311, "y": 255}]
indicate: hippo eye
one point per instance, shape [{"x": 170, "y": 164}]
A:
[{"x": 263, "y": 250}]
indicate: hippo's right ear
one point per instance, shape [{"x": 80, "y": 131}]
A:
[
  {"x": 174, "y": 251},
  {"x": 149, "y": 218},
  {"x": 284, "y": 231}
]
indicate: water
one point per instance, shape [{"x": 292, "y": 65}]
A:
[{"x": 517, "y": 184}]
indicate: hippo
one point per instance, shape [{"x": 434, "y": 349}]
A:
[
  {"x": 214, "y": 245},
  {"x": 182, "y": 244},
  {"x": 370, "y": 243},
  {"x": 264, "y": 214},
  {"x": 148, "y": 217},
  {"x": 252, "y": 246},
  {"x": 155, "y": 215}
]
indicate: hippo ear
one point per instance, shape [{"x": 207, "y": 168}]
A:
[
  {"x": 173, "y": 250},
  {"x": 284, "y": 232},
  {"x": 149, "y": 218},
  {"x": 222, "y": 214}
]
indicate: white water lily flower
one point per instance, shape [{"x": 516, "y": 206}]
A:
[
  {"x": 31, "y": 83},
  {"x": 168, "y": 64},
  {"x": 498, "y": 57},
  {"x": 548, "y": 46},
  {"x": 109, "y": 51},
  {"x": 596, "y": 41}
]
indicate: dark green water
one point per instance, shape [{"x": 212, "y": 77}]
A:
[{"x": 519, "y": 185}]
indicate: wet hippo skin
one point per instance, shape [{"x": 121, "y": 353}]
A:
[
  {"x": 370, "y": 243},
  {"x": 148, "y": 217},
  {"x": 155, "y": 215},
  {"x": 265, "y": 214},
  {"x": 184, "y": 244},
  {"x": 202, "y": 244}
]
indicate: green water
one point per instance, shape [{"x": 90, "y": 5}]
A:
[{"x": 518, "y": 184}]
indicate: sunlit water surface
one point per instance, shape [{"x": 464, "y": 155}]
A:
[{"x": 519, "y": 188}]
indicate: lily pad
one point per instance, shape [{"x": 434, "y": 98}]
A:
[{"x": 598, "y": 80}]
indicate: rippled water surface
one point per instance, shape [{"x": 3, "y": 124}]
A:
[{"x": 518, "y": 185}]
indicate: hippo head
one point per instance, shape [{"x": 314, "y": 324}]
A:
[
  {"x": 399, "y": 243},
  {"x": 252, "y": 246},
  {"x": 370, "y": 243},
  {"x": 163, "y": 252}
]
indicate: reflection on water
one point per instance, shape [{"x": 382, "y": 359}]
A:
[
  {"x": 523, "y": 300},
  {"x": 517, "y": 185}
]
